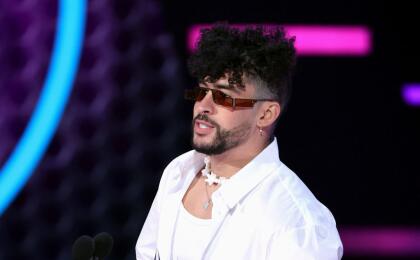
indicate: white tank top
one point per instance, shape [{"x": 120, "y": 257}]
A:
[{"x": 191, "y": 235}]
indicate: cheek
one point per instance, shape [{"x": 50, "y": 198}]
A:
[
  {"x": 195, "y": 109},
  {"x": 239, "y": 118}
]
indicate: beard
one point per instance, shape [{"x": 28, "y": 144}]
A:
[{"x": 224, "y": 140}]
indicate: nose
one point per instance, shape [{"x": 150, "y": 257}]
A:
[{"x": 206, "y": 105}]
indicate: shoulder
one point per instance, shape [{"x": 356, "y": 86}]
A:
[
  {"x": 289, "y": 204},
  {"x": 297, "y": 217}
]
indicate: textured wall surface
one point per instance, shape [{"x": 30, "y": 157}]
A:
[
  {"x": 347, "y": 132},
  {"x": 117, "y": 133}
]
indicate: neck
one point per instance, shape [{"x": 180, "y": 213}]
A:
[{"x": 230, "y": 162}]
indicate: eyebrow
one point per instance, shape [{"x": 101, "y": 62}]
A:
[
  {"x": 224, "y": 86},
  {"x": 219, "y": 85}
]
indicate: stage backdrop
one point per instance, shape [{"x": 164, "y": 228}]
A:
[{"x": 351, "y": 131}]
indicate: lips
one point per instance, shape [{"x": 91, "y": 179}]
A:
[
  {"x": 204, "y": 124},
  {"x": 202, "y": 127}
]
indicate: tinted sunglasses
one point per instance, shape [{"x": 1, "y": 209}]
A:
[{"x": 220, "y": 98}]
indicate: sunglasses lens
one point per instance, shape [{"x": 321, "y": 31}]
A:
[
  {"x": 221, "y": 99},
  {"x": 244, "y": 103},
  {"x": 196, "y": 94},
  {"x": 200, "y": 93}
]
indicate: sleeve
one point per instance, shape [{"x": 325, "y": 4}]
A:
[
  {"x": 146, "y": 243},
  {"x": 312, "y": 242}
]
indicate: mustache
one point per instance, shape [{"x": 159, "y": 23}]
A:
[{"x": 204, "y": 117}]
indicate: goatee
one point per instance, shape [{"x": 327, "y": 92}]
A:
[{"x": 224, "y": 139}]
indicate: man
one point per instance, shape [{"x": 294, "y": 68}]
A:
[{"x": 231, "y": 197}]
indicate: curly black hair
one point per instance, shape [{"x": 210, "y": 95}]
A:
[{"x": 255, "y": 52}]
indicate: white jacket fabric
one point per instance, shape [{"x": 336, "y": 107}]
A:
[{"x": 263, "y": 212}]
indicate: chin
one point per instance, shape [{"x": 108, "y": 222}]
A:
[
  {"x": 200, "y": 141},
  {"x": 202, "y": 144}
]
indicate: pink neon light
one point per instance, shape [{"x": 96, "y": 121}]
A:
[
  {"x": 411, "y": 94},
  {"x": 314, "y": 40},
  {"x": 381, "y": 241}
]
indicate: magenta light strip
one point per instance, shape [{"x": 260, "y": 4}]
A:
[
  {"x": 411, "y": 94},
  {"x": 314, "y": 40},
  {"x": 381, "y": 241}
]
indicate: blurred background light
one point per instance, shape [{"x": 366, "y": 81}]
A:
[
  {"x": 385, "y": 241},
  {"x": 53, "y": 99},
  {"x": 411, "y": 94},
  {"x": 314, "y": 40}
]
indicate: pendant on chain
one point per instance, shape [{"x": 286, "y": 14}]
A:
[{"x": 206, "y": 204}]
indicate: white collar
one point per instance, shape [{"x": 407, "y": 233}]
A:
[
  {"x": 245, "y": 179},
  {"x": 250, "y": 175}
]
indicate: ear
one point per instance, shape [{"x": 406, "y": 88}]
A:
[{"x": 268, "y": 114}]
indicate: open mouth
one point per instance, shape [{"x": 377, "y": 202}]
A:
[{"x": 203, "y": 127}]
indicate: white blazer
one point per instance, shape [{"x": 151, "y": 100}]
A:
[{"x": 263, "y": 212}]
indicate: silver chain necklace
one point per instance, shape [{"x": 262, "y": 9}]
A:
[{"x": 210, "y": 178}]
